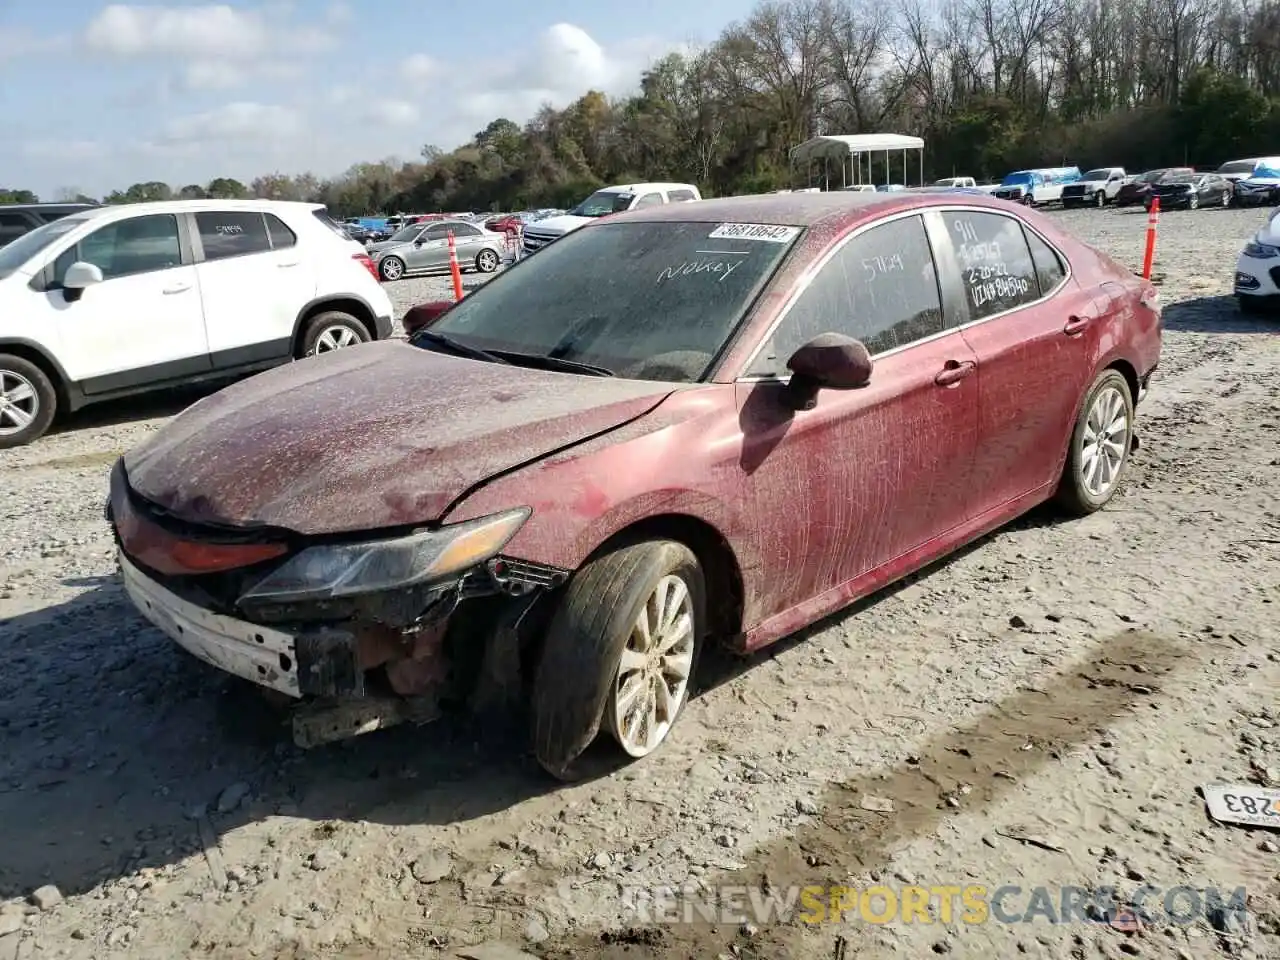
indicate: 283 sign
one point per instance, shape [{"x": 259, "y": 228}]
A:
[{"x": 1243, "y": 803}]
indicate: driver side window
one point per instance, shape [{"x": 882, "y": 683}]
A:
[
  {"x": 880, "y": 288},
  {"x": 437, "y": 231},
  {"x": 126, "y": 247}
]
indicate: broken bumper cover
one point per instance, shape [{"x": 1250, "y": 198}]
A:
[{"x": 252, "y": 652}]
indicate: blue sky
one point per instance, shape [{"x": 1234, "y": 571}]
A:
[{"x": 97, "y": 95}]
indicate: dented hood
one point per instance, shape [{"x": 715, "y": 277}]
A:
[{"x": 379, "y": 435}]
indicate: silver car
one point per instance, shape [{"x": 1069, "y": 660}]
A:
[{"x": 424, "y": 247}]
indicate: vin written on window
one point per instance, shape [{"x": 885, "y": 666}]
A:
[{"x": 994, "y": 261}]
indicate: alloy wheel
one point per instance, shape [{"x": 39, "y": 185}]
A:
[
  {"x": 1105, "y": 443},
  {"x": 653, "y": 672},
  {"x": 334, "y": 338},
  {"x": 19, "y": 403},
  {"x": 392, "y": 268},
  {"x": 487, "y": 261}
]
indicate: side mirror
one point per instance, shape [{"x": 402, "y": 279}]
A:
[
  {"x": 829, "y": 361},
  {"x": 423, "y": 315},
  {"x": 79, "y": 276}
]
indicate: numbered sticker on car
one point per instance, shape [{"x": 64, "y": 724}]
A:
[
  {"x": 1243, "y": 803},
  {"x": 768, "y": 232}
]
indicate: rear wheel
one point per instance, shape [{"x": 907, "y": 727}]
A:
[
  {"x": 622, "y": 648},
  {"x": 486, "y": 261},
  {"x": 1226, "y": 198},
  {"x": 1194, "y": 202},
  {"x": 333, "y": 330},
  {"x": 27, "y": 401},
  {"x": 1100, "y": 445},
  {"x": 391, "y": 268}
]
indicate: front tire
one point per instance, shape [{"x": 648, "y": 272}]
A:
[
  {"x": 623, "y": 645},
  {"x": 332, "y": 330},
  {"x": 1194, "y": 202},
  {"x": 1100, "y": 446},
  {"x": 1100, "y": 199},
  {"x": 28, "y": 401}
]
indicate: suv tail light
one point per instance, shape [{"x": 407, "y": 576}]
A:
[{"x": 367, "y": 262}]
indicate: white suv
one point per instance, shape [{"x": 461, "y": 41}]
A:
[
  {"x": 123, "y": 299},
  {"x": 602, "y": 203}
]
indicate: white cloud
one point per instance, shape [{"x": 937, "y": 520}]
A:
[
  {"x": 219, "y": 31},
  {"x": 324, "y": 125},
  {"x": 398, "y": 113},
  {"x": 418, "y": 67},
  {"x": 243, "y": 121}
]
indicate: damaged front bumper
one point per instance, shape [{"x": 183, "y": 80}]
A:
[{"x": 354, "y": 677}]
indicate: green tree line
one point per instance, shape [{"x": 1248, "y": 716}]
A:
[{"x": 991, "y": 85}]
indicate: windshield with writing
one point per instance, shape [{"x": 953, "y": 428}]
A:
[
  {"x": 645, "y": 301},
  {"x": 603, "y": 203},
  {"x": 15, "y": 254}
]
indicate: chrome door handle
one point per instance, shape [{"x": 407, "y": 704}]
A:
[
  {"x": 291, "y": 263},
  {"x": 182, "y": 288}
]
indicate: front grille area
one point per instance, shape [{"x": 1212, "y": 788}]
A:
[
  {"x": 1068, "y": 192},
  {"x": 536, "y": 241}
]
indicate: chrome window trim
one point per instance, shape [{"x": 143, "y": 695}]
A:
[{"x": 803, "y": 284}]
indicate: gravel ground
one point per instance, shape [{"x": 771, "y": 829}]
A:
[{"x": 1038, "y": 710}]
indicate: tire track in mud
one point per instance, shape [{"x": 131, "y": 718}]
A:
[{"x": 969, "y": 766}]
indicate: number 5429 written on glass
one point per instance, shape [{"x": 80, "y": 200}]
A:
[{"x": 1243, "y": 803}]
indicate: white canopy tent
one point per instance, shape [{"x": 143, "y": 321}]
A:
[{"x": 850, "y": 149}]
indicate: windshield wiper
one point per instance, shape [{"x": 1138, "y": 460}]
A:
[
  {"x": 544, "y": 362},
  {"x": 457, "y": 346}
]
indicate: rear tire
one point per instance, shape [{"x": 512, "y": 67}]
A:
[
  {"x": 330, "y": 331},
  {"x": 1100, "y": 445},
  {"x": 487, "y": 261},
  {"x": 28, "y": 401},
  {"x": 390, "y": 269},
  {"x": 592, "y": 661}
]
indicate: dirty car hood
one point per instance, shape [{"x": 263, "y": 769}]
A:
[{"x": 379, "y": 435}]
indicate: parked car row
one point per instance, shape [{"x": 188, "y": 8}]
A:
[{"x": 604, "y": 477}]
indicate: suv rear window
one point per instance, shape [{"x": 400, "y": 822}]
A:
[{"x": 322, "y": 215}]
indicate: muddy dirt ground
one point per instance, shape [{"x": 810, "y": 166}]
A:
[{"x": 1037, "y": 711}]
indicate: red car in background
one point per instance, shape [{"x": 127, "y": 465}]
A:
[{"x": 691, "y": 422}]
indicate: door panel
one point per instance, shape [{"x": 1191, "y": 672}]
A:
[
  {"x": 433, "y": 249},
  {"x": 1032, "y": 352},
  {"x": 869, "y": 474},
  {"x": 144, "y": 323},
  {"x": 252, "y": 292}
]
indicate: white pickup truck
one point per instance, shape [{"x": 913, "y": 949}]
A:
[
  {"x": 1096, "y": 188},
  {"x": 963, "y": 183},
  {"x": 602, "y": 203}
]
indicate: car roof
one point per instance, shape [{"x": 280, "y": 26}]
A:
[
  {"x": 49, "y": 206},
  {"x": 834, "y": 209},
  {"x": 654, "y": 185},
  {"x": 117, "y": 211}
]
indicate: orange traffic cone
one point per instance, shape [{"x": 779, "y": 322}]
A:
[{"x": 454, "y": 268}]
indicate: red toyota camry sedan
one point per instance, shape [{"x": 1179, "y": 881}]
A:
[{"x": 714, "y": 421}]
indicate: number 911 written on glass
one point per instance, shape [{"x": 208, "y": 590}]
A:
[{"x": 1243, "y": 803}]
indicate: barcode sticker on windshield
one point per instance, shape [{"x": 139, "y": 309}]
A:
[{"x": 768, "y": 232}]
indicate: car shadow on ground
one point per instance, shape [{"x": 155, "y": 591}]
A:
[
  {"x": 1216, "y": 315},
  {"x": 113, "y": 742}
]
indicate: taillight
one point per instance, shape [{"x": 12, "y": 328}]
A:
[{"x": 367, "y": 262}]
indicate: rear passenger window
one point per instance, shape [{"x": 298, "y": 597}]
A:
[
  {"x": 680, "y": 196},
  {"x": 12, "y": 226},
  {"x": 281, "y": 235},
  {"x": 1049, "y": 269},
  {"x": 232, "y": 234},
  {"x": 995, "y": 264},
  {"x": 649, "y": 200}
]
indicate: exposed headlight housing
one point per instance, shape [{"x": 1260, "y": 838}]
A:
[
  {"x": 333, "y": 571},
  {"x": 1261, "y": 251}
]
